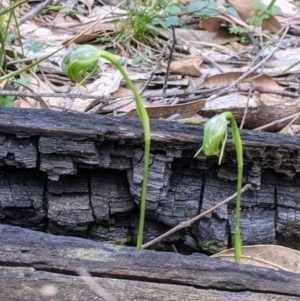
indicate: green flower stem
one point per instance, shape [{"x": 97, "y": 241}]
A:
[
  {"x": 82, "y": 63},
  {"x": 239, "y": 156},
  {"x": 143, "y": 115}
]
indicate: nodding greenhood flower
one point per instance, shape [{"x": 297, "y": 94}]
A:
[
  {"x": 215, "y": 133},
  {"x": 81, "y": 62}
]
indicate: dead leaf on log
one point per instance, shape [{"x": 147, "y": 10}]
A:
[{"x": 268, "y": 256}]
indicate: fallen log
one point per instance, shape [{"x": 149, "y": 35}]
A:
[
  {"x": 37, "y": 266},
  {"x": 74, "y": 174}
]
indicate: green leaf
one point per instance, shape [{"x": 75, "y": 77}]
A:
[
  {"x": 138, "y": 59},
  {"x": 23, "y": 81},
  {"x": 205, "y": 8},
  {"x": 168, "y": 21},
  {"x": 275, "y": 10},
  {"x": 7, "y": 101},
  {"x": 172, "y": 9},
  {"x": 232, "y": 11},
  {"x": 64, "y": 9},
  {"x": 121, "y": 61},
  {"x": 171, "y": 21},
  {"x": 35, "y": 46}
]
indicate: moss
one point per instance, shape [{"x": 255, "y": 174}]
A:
[
  {"x": 123, "y": 241},
  {"x": 213, "y": 248},
  {"x": 112, "y": 228}
]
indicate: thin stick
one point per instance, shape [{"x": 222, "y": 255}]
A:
[
  {"x": 285, "y": 129},
  {"x": 196, "y": 218},
  {"x": 276, "y": 122},
  {"x": 36, "y": 10},
  {"x": 168, "y": 67},
  {"x": 246, "y": 108},
  {"x": 158, "y": 63}
]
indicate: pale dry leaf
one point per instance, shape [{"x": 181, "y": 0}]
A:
[
  {"x": 268, "y": 256},
  {"x": 89, "y": 4},
  {"x": 231, "y": 102},
  {"x": 105, "y": 85},
  {"x": 62, "y": 18},
  {"x": 193, "y": 37},
  {"x": 99, "y": 12},
  {"x": 39, "y": 86}
]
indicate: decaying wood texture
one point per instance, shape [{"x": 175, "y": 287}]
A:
[
  {"x": 81, "y": 175},
  {"x": 31, "y": 261}
]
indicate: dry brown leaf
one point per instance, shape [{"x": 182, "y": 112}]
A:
[
  {"x": 92, "y": 34},
  {"x": 226, "y": 78},
  {"x": 213, "y": 24},
  {"x": 245, "y": 10},
  {"x": 268, "y": 256},
  {"x": 195, "y": 36},
  {"x": 262, "y": 80},
  {"x": 189, "y": 67},
  {"x": 185, "y": 110}
]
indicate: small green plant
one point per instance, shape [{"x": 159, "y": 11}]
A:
[
  {"x": 241, "y": 31},
  {"x": 82, "y": 63},
  {"x": 36, "y": 46},
  {"x": 140, "y": 20},
  {"x": 215, "y": 134},
  {"x": 262, "y": 12}
]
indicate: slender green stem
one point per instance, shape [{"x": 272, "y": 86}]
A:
[
  {"x": 143, "y": 115},
  {"x": 239, "y": 156},
  {"x": 26, "y": 68},
  {"x": 12, "y": 7},
  {"x": 269, "y": 7}
]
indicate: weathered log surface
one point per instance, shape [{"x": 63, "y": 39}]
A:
[
  {"x": 81, "y": 175},
  {"x": 30, "y": 261}
]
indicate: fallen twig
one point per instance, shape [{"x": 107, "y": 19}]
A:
[{"x": 196, "y": 218}]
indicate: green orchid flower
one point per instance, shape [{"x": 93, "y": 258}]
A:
[
  {"x": 215, "y": 135},
  {"x": 81, "y": 62}
]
